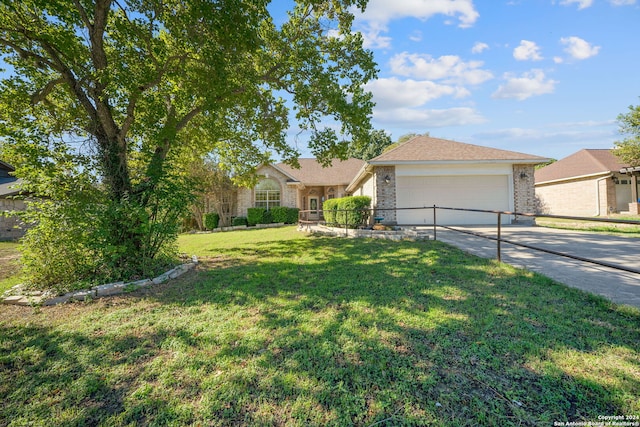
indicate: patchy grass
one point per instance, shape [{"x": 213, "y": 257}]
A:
[
  {"x": 277, "y": 328},
  {"x": 629, "y": 230},
  {"x": 9, "y": 265}
]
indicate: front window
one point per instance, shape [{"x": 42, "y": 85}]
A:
[{"x": 267, "y": 194}]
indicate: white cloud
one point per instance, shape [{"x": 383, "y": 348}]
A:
[
  {"x": 373, "y": 22},
  {"x": 527, "y": 51},
  {"x": 416, "y": 36},
  {"x": 622, "y": 2},
  {"x": 384, "y": 11},
  {"x": 449, "y": 68},
  {"x": 578, "y": 48},
  {"x": 532, "y": 83},
  {"x": 424, "y": 118},
  {"x": 478, "y": 47},
  {"x": 582, "y": 4},
  {"x": 395, "y": 93}
]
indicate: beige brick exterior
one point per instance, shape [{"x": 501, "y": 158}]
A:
[
  {"x": 524, "y": 197},
  {"x": 10, "y": 225},
  {"x": 288, "y": 193},
  {"x": 385, "y": 193},
  {"x": 577, "y": 197}
]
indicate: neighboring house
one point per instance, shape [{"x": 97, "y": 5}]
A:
[
  {"x": 426, "y": 171},
  {"x": 305, "y": 188},
  {"x": 586, "y": 183},
  {"x": 9, "y": 225}
]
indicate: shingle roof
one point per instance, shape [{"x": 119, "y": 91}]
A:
[
  {"x": 582, "y": 163},
  {"x": 428, "y": 149},
  {"x": 340, "y": 172}
]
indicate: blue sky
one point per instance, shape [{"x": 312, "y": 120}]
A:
[{"x": 544, "y": 77}]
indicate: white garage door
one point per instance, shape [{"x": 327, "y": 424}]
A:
[{"x": 487, "y": 192}]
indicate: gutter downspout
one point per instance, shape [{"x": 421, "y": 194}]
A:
[{"x": 598, "y": 192}]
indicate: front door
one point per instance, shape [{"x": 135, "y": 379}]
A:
[{"x": 313, "y": 207}]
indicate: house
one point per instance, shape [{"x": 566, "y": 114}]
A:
[
  {"x": 9, "y": 225},
  {"x": 426, "y": 171},
  {"x": 589, "y": 182},
  {"x": 304, "y": 188},
  {"x": 421, "y": 172}
]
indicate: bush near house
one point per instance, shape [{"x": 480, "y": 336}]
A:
[
  {"x": 284, "y": 214},
  {"x": 211, "y": 220},
  {"x": 351, "y": 212},
  {"x": 258, "y": 216},
  {"x": 239, "y": 220}
]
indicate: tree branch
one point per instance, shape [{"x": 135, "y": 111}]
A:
[{"x": 41, "y": 95}]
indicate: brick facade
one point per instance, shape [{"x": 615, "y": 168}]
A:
[
  {"x": 524, "y": 197},
  {"x": 385, "y": 193},
  {"x": 577, "y": 197},
  {"x": 10, "y": 225}
]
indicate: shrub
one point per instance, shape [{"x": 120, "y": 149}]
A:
[
  {"x": 292, "y": 216},
  {"x": 284, "y": 214},
  {"x": 351, "y": 212},
  {"x": 239, "y": 220},
  {"x": 258, "y": 216},
  {"x": 211, "y": 220}
]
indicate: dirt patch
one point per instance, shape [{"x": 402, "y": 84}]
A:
[{"x": 9, "y": 266}]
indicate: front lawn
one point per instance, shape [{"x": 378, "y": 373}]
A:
[
  {"x": 277, "y": 328},
  {"x": 9, "y": 265}
]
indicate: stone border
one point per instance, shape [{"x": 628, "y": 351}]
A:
[
  {"x": 46, "y": 298},
  {"x": 399, "y": 234}
]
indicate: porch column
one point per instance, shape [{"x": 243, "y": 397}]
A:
[{"x": 634, "y": 206}]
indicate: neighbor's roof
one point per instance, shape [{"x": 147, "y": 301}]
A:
[
  {"x": 425, "y": 149},
  {"x": 340, "y": 172},
  {"x": 8, "y": 183},
  {"x": 586, "y": 162}
]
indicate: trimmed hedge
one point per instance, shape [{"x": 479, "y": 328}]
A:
[
  {"x": 258, "y": 216},
  {"x": 351, "y": 212},
  {"x": 284, "y": 214},
  {"x": 211, "y": 220},
  {"x": 239, "y": 220}
]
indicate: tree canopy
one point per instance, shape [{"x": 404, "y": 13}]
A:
[
  {"x": 628, "y": 149},
  {"x": 378, "y": 141},
  {"x": 102, "y": 95}
]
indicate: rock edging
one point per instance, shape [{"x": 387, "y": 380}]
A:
[{"x": 46, "y": 298}]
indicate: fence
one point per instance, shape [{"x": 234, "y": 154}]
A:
[{"x": 305, "y": 220}]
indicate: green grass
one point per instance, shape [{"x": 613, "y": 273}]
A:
[
  {"x": 277, "y": 328},
  {"x": 9, "y": 265},
  {"x": 629, "y": 230}
]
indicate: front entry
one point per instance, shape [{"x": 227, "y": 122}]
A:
[{"x": 313, "y": 207}]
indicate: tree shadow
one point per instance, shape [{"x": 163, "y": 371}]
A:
[{"x": 325, "y": 331}]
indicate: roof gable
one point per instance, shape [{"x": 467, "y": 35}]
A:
[
  {"x": 339, "y": 172},
  {"x": 582, "y": 163},
  {"x": 425, "y": 149}
]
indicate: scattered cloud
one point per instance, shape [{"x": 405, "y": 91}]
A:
[
  {"x": 373, "y": 23},
  {"x": 578, "y": 48},
  {"x": 527, "y": 51},
  {"x": 424, "y": 118},
  {"x": 582, "y": 4},
  {"x": 479, "y": 47},
  {"x": 390, "y": 93},
  {"x": 448, "y": 68},
  {"x": 416, "y": 36},
  {"x": 622, "y": 2},
  {"x": 532, "y": 83}
]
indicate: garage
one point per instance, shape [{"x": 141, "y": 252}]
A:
[{"x": 487, "y": 192}]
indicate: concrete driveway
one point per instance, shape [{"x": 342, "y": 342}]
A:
[{"x": 618, "y": 286}]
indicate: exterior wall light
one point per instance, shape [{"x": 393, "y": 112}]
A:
[{"x": 387, "y": 179}]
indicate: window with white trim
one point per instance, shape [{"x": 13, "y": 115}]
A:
[{"x": 267, "y": 194}]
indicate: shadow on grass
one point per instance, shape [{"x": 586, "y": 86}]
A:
[{"x": 323, "y": 331}]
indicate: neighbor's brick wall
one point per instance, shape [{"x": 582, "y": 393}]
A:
[
  {"x": 524, "y": 197},
  {"x": 575, "y": 198},
  {"x": 9, "y": 226},
  {"x": 386, "y": 193}
]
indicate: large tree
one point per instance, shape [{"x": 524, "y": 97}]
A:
[
  {"x": 101, "y": 93},
  {"x": 628, "y": 149},
  {"x": 378, "y": 141}
]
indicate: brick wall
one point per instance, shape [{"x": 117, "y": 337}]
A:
[
  {"x": 9, "y": 225},
  {"x": 524, "y": 197},
  {"x": 288, "y": 194},
  {"x": 577, "y": 197},
  {"x": 386, "y": 192}
]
